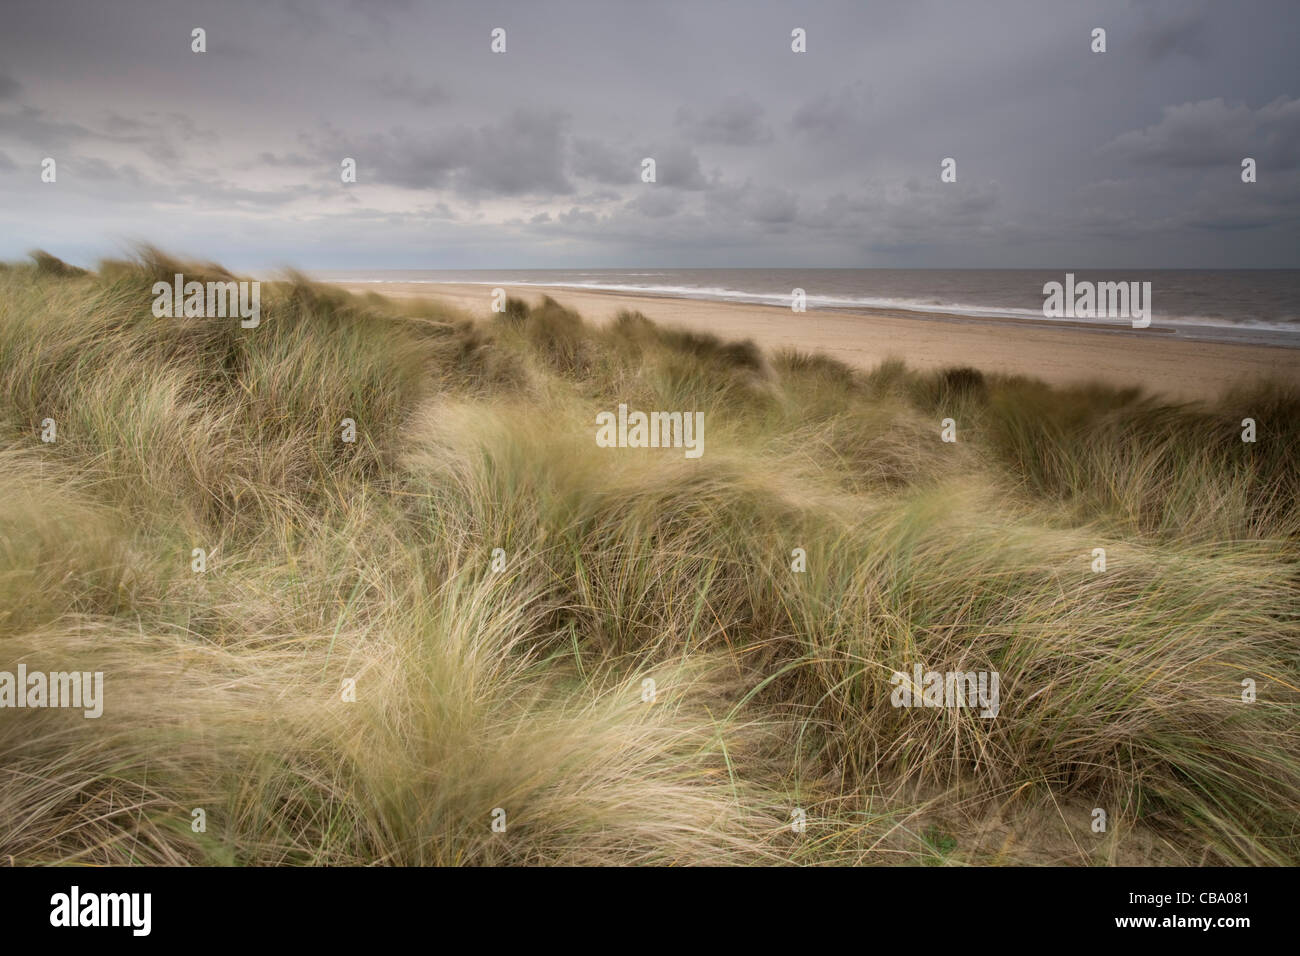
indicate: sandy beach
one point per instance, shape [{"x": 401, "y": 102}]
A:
[{"x": 1161, "y": 361}]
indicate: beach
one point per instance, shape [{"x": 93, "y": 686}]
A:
[
  {"x": 1169, "y": 363},
  {"x": 698, "y": 435}
]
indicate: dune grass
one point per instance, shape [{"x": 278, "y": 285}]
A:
[{"x": 518, "y": 680}]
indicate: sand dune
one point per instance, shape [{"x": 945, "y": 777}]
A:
[
  {"x": 1159, "y": 360},
  {"x": 438, "y": 585}
]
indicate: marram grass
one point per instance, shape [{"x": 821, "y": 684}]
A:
[{"x": 520, "y": 684}]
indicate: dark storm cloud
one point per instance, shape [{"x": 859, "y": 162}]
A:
[{"x": 763, "y": 156}]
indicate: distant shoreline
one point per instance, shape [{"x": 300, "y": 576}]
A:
[
  {"x": 1162, "y": 360},
  {"x": 1190, "y": 331}
]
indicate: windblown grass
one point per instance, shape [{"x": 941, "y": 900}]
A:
[{"x": 522, "y": 688}]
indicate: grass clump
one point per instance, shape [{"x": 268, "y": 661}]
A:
[{"x": 472, "y": 610}]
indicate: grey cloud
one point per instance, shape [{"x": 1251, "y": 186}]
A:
[
  {"x": 736, "y": 121},
  {"x": 593, "y": 159},
  {"x": 746, "y": 202},
  {"x": 655, "y": 203},
  {"x": 96, "y": 169},
  {"x": 229, "y": 194},
  {"x": 576, "y": 215},
  {"x": 830, "y": 113},
  {"x": 679, "y": 167},
  {"x": 1272, "y": 203},
  {"x": 1214, "y": 133},
  {"x": 774, "y": 206},
  {"x": 152, "y": 135},
  {"x": 407, "y": 89},
  {"x": 892, "y": 213},
  {"x": 598, "y": 196},
  {"x": 30, "y": 125},
  {"x": 117, "y": 124},
  {"x": 293, "y": 160},
  {"x": 1184, "y": 31},
  {"x": 763, "y": 156},
  {"x": 521, "y": 155},
  {"x": 125, "y": 183}
]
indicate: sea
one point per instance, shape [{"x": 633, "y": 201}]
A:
[{"x": 1245, "y": 305}]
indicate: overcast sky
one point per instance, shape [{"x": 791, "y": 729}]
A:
[{"x": 764, "y": 157}]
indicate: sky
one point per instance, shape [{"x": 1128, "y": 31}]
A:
[{"x": 764, "y": 157}]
